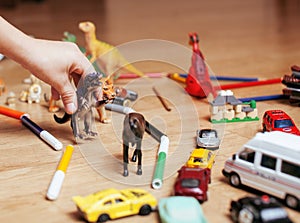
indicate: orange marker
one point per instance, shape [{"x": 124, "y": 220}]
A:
[
  {"x": 11, "y": 113},
  {"x": 177, "y": 77}
]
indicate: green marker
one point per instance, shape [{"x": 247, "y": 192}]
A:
[
  {"x": 160, "y": 163},
  {"x": 161, "y": 155}
]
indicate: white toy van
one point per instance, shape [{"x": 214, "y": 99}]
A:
[{"x": 269, "y": 162}]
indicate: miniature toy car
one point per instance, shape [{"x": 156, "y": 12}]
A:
[
  {"x": 192, "y": 182},
  {"x": 258, "y": 209},
  {"x": 179, "y": 209},
  {"x": 111, "y": 204},
  {"x": 278, "y": 120},
  {"x": 207, "y": 138},
  {"x": 268, "y": 162},
  {"x": 202, "y": 158}
]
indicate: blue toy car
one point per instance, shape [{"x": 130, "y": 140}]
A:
[{"x": 179, "y": 209}]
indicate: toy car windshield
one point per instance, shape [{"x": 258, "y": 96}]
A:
[
  {"x": 272, "y": 214},
  {"x": 283, "y": 123}
]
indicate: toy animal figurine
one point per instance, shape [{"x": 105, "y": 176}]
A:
[
  {"x": 33, "y": 93},
  {"x": 89, "y": 95},
  {"x": 52, "y": 104},
  {"x": 133, "y": 132},
  {"x": 109, "y": 94},
  {"x": 11, "y": 99},
  {"x": 109, "y": 58},
  {"x": 198, "y": 81}
]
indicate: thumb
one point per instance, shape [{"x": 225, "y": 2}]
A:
[{"x": 69, "y": 98}]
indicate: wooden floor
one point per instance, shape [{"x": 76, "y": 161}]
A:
[{"x": 238, "y": 38}]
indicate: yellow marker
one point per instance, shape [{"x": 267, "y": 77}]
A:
[
  {"x": 59, "y": 176},
  {"x": 177, "y": 77}
]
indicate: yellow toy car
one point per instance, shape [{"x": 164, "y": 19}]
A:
[
  {"x": 201, "y": 158},
  {"x": 111, "y": 204}
]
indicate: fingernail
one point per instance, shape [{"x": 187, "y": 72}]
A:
[{"x": 70, "y": 108}]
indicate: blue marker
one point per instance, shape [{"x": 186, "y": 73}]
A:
[
  {"x": 264, "y": 98},
  {"x": 228, "y": 78},
  {"x": 43, "y": 134}
]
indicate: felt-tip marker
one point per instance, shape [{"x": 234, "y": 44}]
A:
[
  {"x": 59, "y": 176},
  {"x": 43, "y": 134}
]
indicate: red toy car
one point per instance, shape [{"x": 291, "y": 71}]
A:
[
  {"x": 278, "y": 120},
  {"x": 193, "y": 182}
]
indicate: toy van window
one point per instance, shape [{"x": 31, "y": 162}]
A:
[
  {"x": 247, "y": 155},
  {"x": 268, "y": 162},
  {"x": 290, "y": 169},
  {"x": 190, "y": 183}
]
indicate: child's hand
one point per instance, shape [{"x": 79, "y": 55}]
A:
[{"x": 55, "y": 62}]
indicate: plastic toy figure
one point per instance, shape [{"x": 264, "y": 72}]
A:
[
  {"x": 109, "y": 94},
  {"x": 89, "y": 95},
  {"x": 179, "y": 209},
  {"x": 262, "y": 209},
  {"x": 112, "y": 204},
  {"x": 193, "y": 182},
  {"x": 133, "y": 132},
  {"x": 109, "y": 58},
  {"x": 11, "y": 99},
  {"x": 33, "y": 93},
  {"x": 198, "y": 81},
  {"x": 278, "y": 120}
]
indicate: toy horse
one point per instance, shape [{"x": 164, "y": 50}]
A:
[{"x": 133, "y": 132}]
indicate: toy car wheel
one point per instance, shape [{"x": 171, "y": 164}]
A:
[
  {"x": 103, "y": 218},
  {"x": 245, "y": 216},
  {"x": 234, "y": 180},
  {"x": 264, "y": 128},
  {"x": 145, "y": 210},
  {"x": 291, "y": 201}
]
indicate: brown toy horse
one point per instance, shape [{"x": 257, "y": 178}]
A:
[{"x": 133, "y": 132}]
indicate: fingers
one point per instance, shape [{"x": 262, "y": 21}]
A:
[
  {"x": 54, "y": 94},
  {"x": 77, "y": 67},
  {"x": 68, "y": 97}
]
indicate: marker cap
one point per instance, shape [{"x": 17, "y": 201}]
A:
[{"x": 55, "y": 185}]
